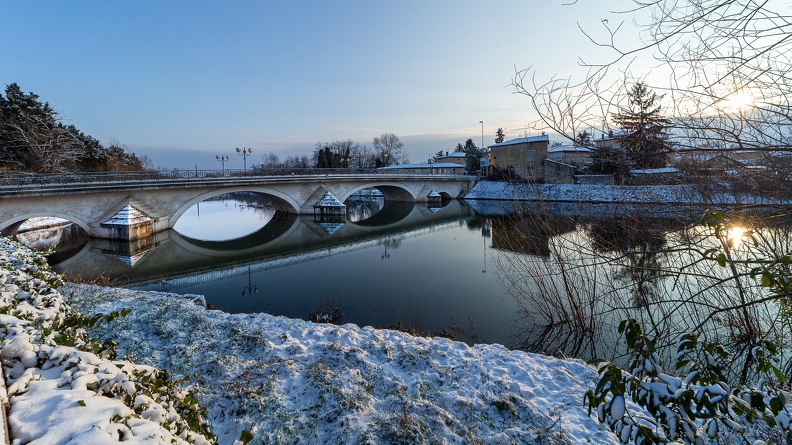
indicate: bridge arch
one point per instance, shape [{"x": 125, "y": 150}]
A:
[
  {"x": 10, "y": 226},
  {"x": 281, "y": 201},
  {"x": 391, "y": 191}
]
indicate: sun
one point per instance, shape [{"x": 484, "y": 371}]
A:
[
  {"x": 736, "y": 235},
  {"x": 737, "y": 101}
]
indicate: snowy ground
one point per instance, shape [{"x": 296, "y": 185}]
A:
[
  {"x": 64, "y": 387},
  {"x": 676, "y": 194},
  {"x": 286, "y": 380},
  {"x": 300, "y": 382}
]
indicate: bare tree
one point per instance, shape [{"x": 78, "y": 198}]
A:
[
  {"x": 297, "y": 162},
  {"x": 389, "y": 150},
  {"x": 337, "y": 154},
  {"x": 724, "y": 67},
  {"x": 44, "y": 146},
  {"x": 270, "y": 160}
]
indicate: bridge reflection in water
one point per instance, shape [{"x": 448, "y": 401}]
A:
[{"x": 169, "y": 260}]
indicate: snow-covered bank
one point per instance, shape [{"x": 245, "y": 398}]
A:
[
  {"x": 300, "y": 382},
  {"x": 670, "y": 194},
  {"x": 63, "y": 386},
  {"x": 286, "y": 380}
]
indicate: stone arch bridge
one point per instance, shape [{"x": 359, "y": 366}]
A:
[{"x": 125, "y": 210}]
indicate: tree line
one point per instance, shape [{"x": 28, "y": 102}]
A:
[
  {"x": 386, "y": 149},
  {"x": 33, "y": 139}
]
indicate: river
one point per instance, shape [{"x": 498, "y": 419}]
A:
[{"x": 553, "y": 278}]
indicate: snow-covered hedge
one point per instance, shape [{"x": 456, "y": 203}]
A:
[{"x": 67, "y": 388}]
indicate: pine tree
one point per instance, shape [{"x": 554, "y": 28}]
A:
[
  {"x": 584, "y": 139},
  {"x": 33, "y": 139},
  {"x": 499, "y": 136},
  {"x": 473, "y": 155},
  {"x": 644, "y": 140}
]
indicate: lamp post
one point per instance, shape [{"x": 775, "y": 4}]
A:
[
  {"x": 482, "y": 135},
  {"x": 250, "y": 288},
  {"x": 222, "y": 160},
  {"x": 482, "y": 142},
  {"x": 244, "y": 152}
]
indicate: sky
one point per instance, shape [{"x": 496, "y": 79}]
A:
[{"x": 182, "y": 81}]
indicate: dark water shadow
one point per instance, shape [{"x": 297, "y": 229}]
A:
[{"x": 391, "y": 213}]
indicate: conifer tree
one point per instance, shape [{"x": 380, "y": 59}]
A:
[
  {"x": 32, "y": 139},
  {"x": 644, "y": 139},
  {"x": 499, "y": 136}
]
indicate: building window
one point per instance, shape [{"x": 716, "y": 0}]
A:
[{"x": 530, "y": 156}]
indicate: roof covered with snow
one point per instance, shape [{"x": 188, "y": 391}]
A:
[
  {"x": 328, "y": 200},
  {"x": 655, "y": 171},
  {"x": 456, "y": 154},
  {"x": 433, "y": 165},
  {"x": 128, "y": 216},
  {"x": 568, "y": 148},
  {"x": 524, "y": 140},
  {"x": 614, "y": 135}
]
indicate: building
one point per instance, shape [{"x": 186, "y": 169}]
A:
[
  {"x": 440, "y": 168},
  {"x": 611, "y": 139},
  {"x": 456, "y": 157},
  {"x": 525, "y": 155},
  {"x": 570, "y": 154}
]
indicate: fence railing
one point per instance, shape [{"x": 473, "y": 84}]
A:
[{"x": 34, "y": 179}]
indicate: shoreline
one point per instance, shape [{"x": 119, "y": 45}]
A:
[{"x": 678, "y": 194}]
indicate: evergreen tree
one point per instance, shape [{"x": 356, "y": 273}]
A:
[
  {"x": 33, "y": 139},
  {"x": 644, "y": 139},
  {"x": 584, "y": 139},
  {"x": 499, "y": 136},
  {"x": 473, "y": 155}
]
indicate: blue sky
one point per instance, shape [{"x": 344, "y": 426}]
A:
[{"x": 182, "y": 81}]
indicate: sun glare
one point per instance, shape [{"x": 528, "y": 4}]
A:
[
  {"x": 736, "y": 235},
  {"x": 737, "y": 101}
]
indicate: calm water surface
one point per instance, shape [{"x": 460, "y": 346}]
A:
[
  {"x": 556, "y": 278},
  {"x": 385, "y": 265}
]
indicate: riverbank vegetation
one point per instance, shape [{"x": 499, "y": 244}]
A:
[
  {"x": 719, "y": 280},
  {"x": 716, "y": 286}
]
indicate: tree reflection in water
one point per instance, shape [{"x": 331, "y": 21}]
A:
[{"x": 576, "y": 277}]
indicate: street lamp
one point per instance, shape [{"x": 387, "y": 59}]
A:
[
  {"x": 250, "y": 287},
  {"x": 222, "y": 160},
  {"x": 482, "y": 134},
  {"x": 482, "y": 142},
  {"x": 244, "y": 152}
]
